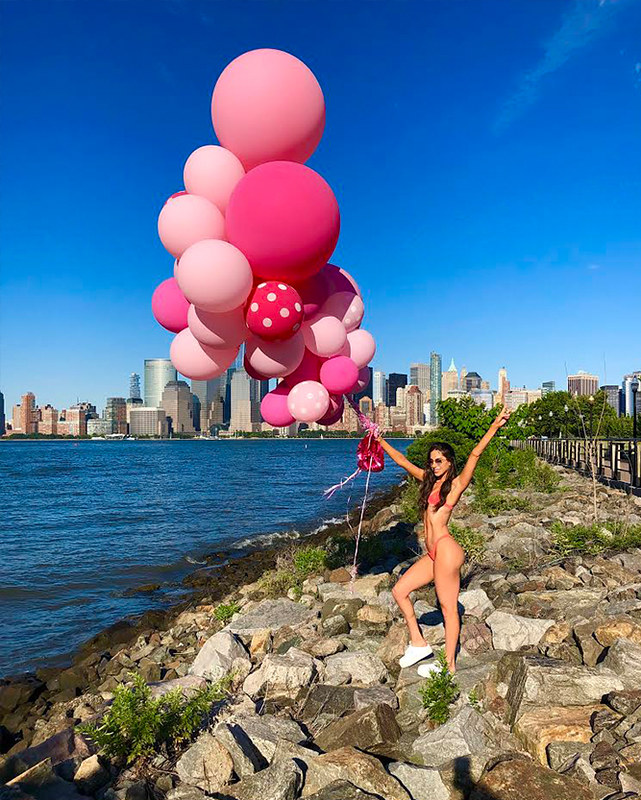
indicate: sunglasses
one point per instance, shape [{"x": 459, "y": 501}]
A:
[{"x": 436, "y": 461}]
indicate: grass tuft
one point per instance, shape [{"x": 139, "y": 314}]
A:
[{"x": 439, "y": 691}]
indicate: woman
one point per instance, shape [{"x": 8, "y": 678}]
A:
[{"x": 441, "y": 488}]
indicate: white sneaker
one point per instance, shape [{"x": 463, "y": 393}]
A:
[
  {"x": 427, "y": 669},
  {"x": 413, "y": 654}
]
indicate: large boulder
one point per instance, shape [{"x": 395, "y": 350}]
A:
[
  {"x": 40, "y": 782},
  {"x": 207, "y": 765},
  {"x": 272, "y": 614},
  {"x": 465, "y": 734},
  {"x": 283, "y": 675},
  {"x": 422, "y": 783},
  {"x": 280, "y": 781},
  {"x": 624, "y": 658},
  {"x": 218, "y": 655},
  {"x": 511, "y": 632},
  {"x": 366, "y": 729},
  {"x": 356, "y": 666},
  {"x": 519, "y": 778},
  {"x": 264, "y": 732},
  {"x": 476, "y": 603},
  {"x": 538, "y": 727},
  {"x": 65, "y": 746}
]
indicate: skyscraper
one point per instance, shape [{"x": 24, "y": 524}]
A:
[
  {"x": 394, "y": 381},
  {"x": 502, "y": 384},
  {"x": 24, "y": 417},
  {"x": 449, "y": 381},
  {"x": 206, "y": 392},
  {"x": 583, "y": 383},
  {"x": 472, "y": 381},
  {"x": 158, "y": 373},
  {"x": 178, "y": 406},
  {"x": 613, "y": 394},
  {"x": 3, "y": 424},
  {"x": 378, "y": 387},
  {"x": 626, "y": 386},
  {"x": 435, "y": 386},
  {"x": 420, "y": 376},
  {"x": 134, "y": 386},
  {"x": 241, "y": 401},
  {"x": 547, "y": 387},
  {"x": 115, "y": 414},
  {"x": 462, "y": 377}
]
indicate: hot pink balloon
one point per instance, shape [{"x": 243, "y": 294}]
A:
[
  {"x": 334, "y": 411},
  {"x": 170, "y": 306},
  {"x": 213, "y": 172},
  {"x": 340, "y": 280},
  {"x": 285, "y": 219},
  {"x": 268, "y": 106},
  {"x": 363, "y": 380},
  {"x": 308, "y": 401},
  {"x": 339, "y": 375},
  {"x": 346, "y": 307},
  {"x": 273, "y": 407},
  {"x": 275, "y": 359},
  {"x": 222, "y": 331},
  {"x": 186, "y": 219},
  {"x": 307, "y": 370},
  {"x": 198, "y": 361},
  {"x": 360, "y": 347},
  {"x": 314, "y": 291},
  {"x": 214, "y": 275},
  {"x": 324, "y": 335}
]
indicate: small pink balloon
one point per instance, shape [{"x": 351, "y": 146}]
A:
[
  {"x": 170, "y": 306},
  {"x": 285, "y": 219},
  {"x": 324, "y": 335},
  {"x": 222, "y": 331},
  {"x": 273, "y": 407},
  {"x": 258, "y": 376},
  {"x": 346, "y": 307},
  {"x": 268, "y": 106},
  {"x": 307, "y": 370},
  {"x": 363, "y": 380},
  {"x": 214, "y": 275},
  {"x": 308, "y": 401},
  {"x": 186, "y": 219},
  {"x": 275, "y": 359},
  {"x": 198, "y": 361},
  {"x": 360, "y": 347},
  {"x": 339, "y": 375},
  {"x": 213, "y": 172},
  {"x": 334, "y": 411}
]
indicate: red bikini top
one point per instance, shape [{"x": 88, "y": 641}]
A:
[{"x": 437, "y": 496}]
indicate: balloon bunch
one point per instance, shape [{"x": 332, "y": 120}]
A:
[{"x": 252, "y": 236}]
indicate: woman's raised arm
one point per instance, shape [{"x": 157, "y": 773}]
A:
[
  {"x": 464, "y": 478},
  {"x": 401, "y": 460}
]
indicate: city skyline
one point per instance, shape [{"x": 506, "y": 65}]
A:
[{"x": 501, "y": 227}]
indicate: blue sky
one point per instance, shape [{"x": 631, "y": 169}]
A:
[{"x": 486, "y": 158}]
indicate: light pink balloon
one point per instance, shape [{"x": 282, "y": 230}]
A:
[
  {"x": 363, "y": 380},
  {"x": 213, "y": 172},
  {"x": 268, "y": 106},
  {"x": 186, "y": 219},
  {"x": 340, "y": 280},
  {"x": 334, "y": 412},
  {"x": 339, "y": 375},
  {"x": 346, "y": 307},
  {"x": 273, "y": 407},
  {"x": 324, "y": 335},
  {"x": 308, "y": 401},
  {"x": 360, "y": 347},
  {"x": 307, "y": 370},
  {"x": 222, "y": 331},
  {"x": 170, "y": 306},
  {"x": 275, "y": 359},
  {"x": 214, "y": 275},
  {"x": 198, "y": 361}
]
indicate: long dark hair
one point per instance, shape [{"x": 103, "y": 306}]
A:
[{"x": 429, "y": 479}]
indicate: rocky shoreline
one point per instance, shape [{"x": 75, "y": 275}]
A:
[{"x": 549, "y": 677}]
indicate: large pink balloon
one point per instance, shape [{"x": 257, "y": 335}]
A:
[
  {"x": 285, "y": 219},
  {"x": 360, "y": 347},
  {"x": 324, "y": 335},
  {"x": 334, "y": 411},
  {"x": 339, "y": 375},
  {"x": 273, "y": 407},
  {"x": 214, "y": 275},
  {"x": 170, "y": 306},
  {"x": 198, "y": 361},
  {"x": 314, "y": 291},
  {"x": 186, "y": 219},
  {"x": 258, "y": 376},
  {"x": 307, "y": 370},
  {"x": 308, "y": 401},
  {"x": 275, "y": 359},
  {"x": 213, "y": 172},
  {"x": 340, "y": 280},
  {"x": 268, "y": 106},
  {"x": 222, "y": 331},
  {"x": 346, "y": 307}
]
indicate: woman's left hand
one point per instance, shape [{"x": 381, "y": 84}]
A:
[{"x": 502, "y": 417}]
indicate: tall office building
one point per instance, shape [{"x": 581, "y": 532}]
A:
[
  {"x": 583, "y": 383},
  {"x": 484, "y": 397},
  {"x": 613, "y": 395},
  {"x": 436, "y": 387},
  {"x": 48, "y": 423},
  {"x": 145, "y": 421},
  {"x": 449, "y": 381},
  {"x": 462, "y": 377},
  {"x": 158, "y": 373},
  {"x": 420, "y": 376},
  {"x": 626, "y": 386},
  {"x": 176, "y": 401},
  {"x": 24, "y": 418},
  {"x": 3, "y": 424},
  {"x": 134, "y": 386},
  {"x": 206, "y": 392},
  {"x": 378, "y": 387},
  {"x": 241, "y": 402},
  {"x": 503, "y": 384},
  {"x": 547, "y": 387},
  {"x": 395, "y": 380},
  {"x": 472, "y": 381},
  {"x": 413, "y": 408},
  {"x": 115, "y": 414},
  {"x": 368, "y": 390}
]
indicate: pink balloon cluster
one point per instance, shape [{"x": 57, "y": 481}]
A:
[{"x": 252, "y": 236}]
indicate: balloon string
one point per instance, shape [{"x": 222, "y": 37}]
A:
[
  {"x": 329, "y": 492},
  {"x": 354, "y": 569}
]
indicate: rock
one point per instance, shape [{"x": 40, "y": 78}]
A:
[
  {"x": 518, "y": 778},
  {"x": 476, "y": 638},
  {"x": 188, "y": 685},
  {"x": 609, "y": 778},
  {"x": 271, "y": 614},
  {"x": 282, "y": 675},
  {"x": 625, "y": 702},
  {"x": 217, "y": 656},
  {"x": 538, "y": 727},
  {"x": 556, "y": 633},
  {"x": 260, "y": 642},
  {"x": 373, "y": 618},
  {"x": 62, "y": 747},
  {"x": 422, "y": 783},
  {"x": 356, "y": 667},
  {"x": 207, "y": 765},
  {"x": 349, "y": 764},
  {"x": 340, "y": 575},
  {"x": 322, "y": 647},
  {"x": 560, "y": 754},
  {"x": 464, "y": 734},
  {"x": 346, "y": 608},
  {"x": 624, "y": 658},
  {"x": 335, "y": 626},
  {"x": 91, "y": 775},
  {"x": 608, "y": 632},
  {"x": 393, "y": 646},
  {"x": 40, "y": 782},
  {"x": 342, "y": 790},
  {"x": 590, "y": 649},
  {"x": 333, "y": 701},
  {"x": 511, "y": 632},
  {"x": 558, "y": 578},
  {"x": 476, "y": 603},
  {"x": 265, "y": 731},
  {"x": 366, "y": 729},
  {"x": 365, "y": 588},
  {"x": 246, "y": 757},
  {"x": 183, "y": 792},
  {"x": 280, "y": 781},
  {"x": 604, "y": 756},
  {"x": 373, "y": 696},
  {"x": 15, "y": 692},
  {"x": 604, "y": 719}
]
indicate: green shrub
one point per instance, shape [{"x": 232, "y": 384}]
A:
[
  {"x": 596, "y": 538},
  {"x": 470, "y": 540},
  {"x": 309, "y": 560},
  {"x": 473, "y": 700},
  {"x": 137, "y": 725},
  {"x": 439, "y": 691},
  {"x": 277, "y": 582},
  {"x": 491, "y": 503},
  {"x": 225, "y": 611}
]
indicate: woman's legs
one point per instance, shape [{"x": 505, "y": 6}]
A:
[
  {"x": 447, "y": 581},
  {"x": 419, "y": 574}
]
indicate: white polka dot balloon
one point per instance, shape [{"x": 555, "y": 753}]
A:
[
  {"x": 308, "y": 401},
  {"x": 274, "y": 311}
]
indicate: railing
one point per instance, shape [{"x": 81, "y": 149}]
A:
[{"x": 617, "y": 461}]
